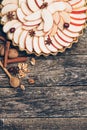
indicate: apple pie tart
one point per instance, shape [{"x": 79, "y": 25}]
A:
[{"x": 43, "y": 26}]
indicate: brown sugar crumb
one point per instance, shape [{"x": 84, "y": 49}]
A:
[
  {"x": 33, "y": 61},
  {"x": 31, "y": 81}
]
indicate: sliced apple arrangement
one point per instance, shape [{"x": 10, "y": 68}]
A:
[{"x": 43, "y": 26}]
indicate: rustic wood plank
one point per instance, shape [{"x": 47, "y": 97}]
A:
[
  {"x": 78, "y": 48},
  {"x": 69, "y": 101},
  {"x": 44, "y": 124},
  {"x": 55, "y": 71}
]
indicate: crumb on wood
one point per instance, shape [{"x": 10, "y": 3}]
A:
[
  {"x": 31, "y": 81},
  {"x": 22, "y": 87},
  {"x": 33, "y": 61}
]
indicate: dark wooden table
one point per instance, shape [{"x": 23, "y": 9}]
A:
[{"x": 57, "y": 100}]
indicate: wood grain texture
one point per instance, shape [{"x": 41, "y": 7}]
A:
[
  {"x": 44, "y": 124},
  {"x": 69, "y": 101},
  {"x": 55, "y": 71}
]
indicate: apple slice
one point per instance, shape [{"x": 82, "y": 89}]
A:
[
  {"x": 53, "y": 30},
  {"x": 74, "y": 2},
  {"x": 68, "y": 7},
  {"x": 33, "y": 23},
  {"x": 48, "y": 33},
  {"x": 43, "y": 46},
  {"x": 22, "y": 39},
  {"x": 79, "y": 10},
  {"x": 41, "y": 26},
  {"x": 20, "y": 15},
  {"x": 78, "y": 16},
  {"x": 17, "y": 33},
  {"x": 8, "y": 8},
  {"x": 65, "y": 16},
  {"x": 80, "y": 4},
  {"x": 64, "y": 37},
  {"x": 47, "y": 16},
  {"x": 51, "y": 47},
  {"x": 34, "y": 16},
  {"x": 61, "y": 23},
  {"x": 25, "y": 8},
  {"x": 78, "y": 22},
  {"x": 4, "y": 19},
  {"x": 9, "y": 25},
  {"x": 10, "y": 35},
  {"x": 5, "y": 2},
  {"x": 20, "y": 1},
  {"x": 56, "y": 17},
  {"x": 56, "y": 44},
  {"x": 28, "y": 27},
  {"x": 32, "y": 5},
  {"x": 16, "y": 25},
  {"x": 60, "y": 41},
  {"x": 39, "y": 3},
  {"x": 39, "y": 33},
  {"x": 56, "y": 6},
  {"x": 70, "y": 34},
  {"x": 36, "y": 45},
  {"x": 29, "y": 43},
  {"x": 74, "y": 28}
]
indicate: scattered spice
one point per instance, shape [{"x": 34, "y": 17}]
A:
[
  {"x": 48, "y": 41},
  {"x": 44, "y": 5},
  {"x": 33, "y": 61},
  {"x": 11, "y": 56},
  {"x": 10, "y": 15},
  {"x": 14, "y": 70},
  {"x": 31, "y": 81},
  {"x": 32, "y": 33}
]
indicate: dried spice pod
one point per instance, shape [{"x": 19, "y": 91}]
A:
[{"x": 14, "y": 70}]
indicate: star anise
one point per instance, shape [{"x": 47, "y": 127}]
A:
[
  {"x": 48, "y": 41},
  {"x": 10, "y": 15},
  {"x": 32, "y": 33},
  {"x": 44, "y": 5}
]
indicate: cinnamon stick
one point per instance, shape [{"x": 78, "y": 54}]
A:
[
  {"x": 6, "y": 53},
  {"x": 16, "y": 60}
]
